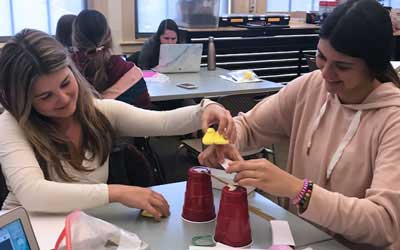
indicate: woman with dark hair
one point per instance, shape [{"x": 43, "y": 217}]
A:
[
  {"x": 56, "y": 136},
  {"x": 167, "y": 33},
  {"x": 64, "y": 31},
  {"x": 343, "y": 123},
  {"x": 112, "y": 76}
]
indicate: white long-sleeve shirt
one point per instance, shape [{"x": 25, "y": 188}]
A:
[{"x": 25, "y": 178}]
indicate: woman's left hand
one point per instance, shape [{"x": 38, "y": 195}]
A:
[
  {"x": 216, "y": 114},
  {"x": 264, "y": 175}
]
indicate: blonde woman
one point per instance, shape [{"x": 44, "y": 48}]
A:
[{"x": 56, "y": 137}]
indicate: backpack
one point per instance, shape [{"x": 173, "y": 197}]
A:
[{"x": 132, "y": 162}]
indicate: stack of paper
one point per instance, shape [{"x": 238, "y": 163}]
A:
[{"x": 241, "y": 76}]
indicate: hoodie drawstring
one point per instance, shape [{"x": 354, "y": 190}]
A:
[
  {"x": 351, "y": 131},
  {"x": 346, "y": 139},
  {"x": 316, "y": 124}
]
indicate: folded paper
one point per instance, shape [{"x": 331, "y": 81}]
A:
[{"x": 213, "y": 137}]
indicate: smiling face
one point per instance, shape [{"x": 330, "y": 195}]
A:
[
  {"x": 346, "y": 76},
  {"x": 55, "y": 95},
  {"x": 169, "y": 37}
]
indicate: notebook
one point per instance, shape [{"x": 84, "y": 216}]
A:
[
  {"x": 16, "y": 232},
  {"x": 179, "y": 58}
]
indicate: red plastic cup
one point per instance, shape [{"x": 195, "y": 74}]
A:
[
  {"x": 233, "y": 225},
  {"x": 199, "y": 200}
]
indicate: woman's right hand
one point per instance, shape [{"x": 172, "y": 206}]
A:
[
  {"x": 214, "y": 155},
  {"x": 138, "y": 197}
]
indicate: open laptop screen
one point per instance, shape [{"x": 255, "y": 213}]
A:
[
  {"x": 179, "y": 58},
  {"x": 12, "y": 237},
  {"x": 16, "y": 231}
]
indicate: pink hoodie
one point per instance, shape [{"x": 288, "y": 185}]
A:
[{"x": 351, "y": 152}]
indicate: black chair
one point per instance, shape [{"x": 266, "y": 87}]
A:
[
  {"x": 133, "y": 162},
  {"x": 134, "y": 57}
]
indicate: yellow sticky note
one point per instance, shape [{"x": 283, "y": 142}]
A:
[{"x": 145, "y": 213}]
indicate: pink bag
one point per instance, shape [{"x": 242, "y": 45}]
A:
[{"x": 84, "y": 232}]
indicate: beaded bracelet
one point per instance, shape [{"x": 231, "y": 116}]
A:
[{"x": 303, "y": 197}]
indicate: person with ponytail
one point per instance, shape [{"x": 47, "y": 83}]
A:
[
  {"x": 64, "y": 31},
  {"x": 111, "y": 75},
  {"x": 343, "y": 124}
]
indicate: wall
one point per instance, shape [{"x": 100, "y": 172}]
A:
[
  {"x": 120, "y": 14},
  {"x": 248, "y": 6}
]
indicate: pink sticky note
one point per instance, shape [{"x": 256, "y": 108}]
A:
[{"x": 149, "y": 73}]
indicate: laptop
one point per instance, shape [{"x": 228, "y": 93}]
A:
[
  {"x": 179, "y": 58},
  {"x": 16, "y": 232}
]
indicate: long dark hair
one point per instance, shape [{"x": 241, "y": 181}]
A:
[
  {"x": 363, "y": 29},
  {"x": 64, "y": 30},
  {"x": 167, "y": 24},
  {"x": 92, "y": 36}
]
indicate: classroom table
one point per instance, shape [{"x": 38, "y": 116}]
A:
[
  {"x": 175, "y": 233},
  {"x": 208, "y": 83}
]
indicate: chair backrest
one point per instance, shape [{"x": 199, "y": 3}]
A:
[
  {"x": 133, "y": 162},
  {"x": 134, "y": 57},
  {"x": 240, "y": 103}
]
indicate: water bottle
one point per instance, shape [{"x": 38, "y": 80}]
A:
[{"x": 211, "y": 58}]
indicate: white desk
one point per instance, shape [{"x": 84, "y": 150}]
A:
[
  {"x": 174, "y": 233},
  {"x": 209, "y": 85}
]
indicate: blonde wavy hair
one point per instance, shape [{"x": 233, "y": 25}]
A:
[{"x": 25, "y": 57}]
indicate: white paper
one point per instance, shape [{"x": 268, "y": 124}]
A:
[
  {"x": 225, "y": 177},
  {"x": 47, "y": 227},
  {"x": 225, "y": 163},
  {"x": 232, "y": 80},
  {"x": 281, "y": 234},
  {"x": 395, "y": 64}
]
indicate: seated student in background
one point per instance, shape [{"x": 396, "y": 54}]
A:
[
  {"x": 111, "y": 76},
  {"x": 64, "y": 31},
  {"x": 343, "y": 122},
  {"x": 56, "y": 137},
  {"x": 167, "y": 33}
]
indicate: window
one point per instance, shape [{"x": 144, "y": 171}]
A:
[
  {"x": 301, "y": 5},
  {"x": 149, "y": 14},
  {"x": 292, "y": 5},
  {"x": 16, "y": 15},
  {"x": 392, "y": 3}
]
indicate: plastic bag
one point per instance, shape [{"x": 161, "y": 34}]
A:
[{"x": 84, "y": 232}]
